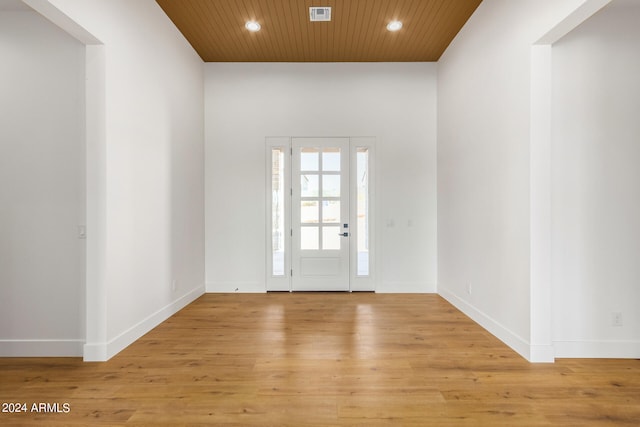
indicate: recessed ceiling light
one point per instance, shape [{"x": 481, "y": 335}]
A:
[
  {"x": 252, "y": 26},
  {"x": 394, "y": 25}
]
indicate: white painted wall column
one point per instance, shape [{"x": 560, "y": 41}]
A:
[
  {"x": 541, "y": 346},
  {"x": 541, "y": 339},
  {"x": 96, "y": 292}
]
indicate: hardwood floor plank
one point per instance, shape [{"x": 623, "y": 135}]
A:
[{"x": 322, "y": 359}]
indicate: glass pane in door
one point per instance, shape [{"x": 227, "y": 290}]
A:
[
  {"x": 277, "y": 211},
  {"x": 331, "y": 159},
  {"x": 309, "y": 212},
  {"x": 331, "y": 211},
  {"x": 330, "y": 185},
  {"x": 362, "y": 213},
  {"x": 309, "y": 159},
  {"x": 309, "y": 185}
]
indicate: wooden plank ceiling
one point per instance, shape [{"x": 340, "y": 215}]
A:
[{"x": 356, "y": 33}]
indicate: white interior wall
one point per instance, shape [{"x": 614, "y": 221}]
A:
[
  {"x": 41, "y": 188},
  {"x": 484, "y": 165},
  {"x": 396, "y": 103},
  {"x": 596, "y": 185},
  {"x": 149, "y": 145}
]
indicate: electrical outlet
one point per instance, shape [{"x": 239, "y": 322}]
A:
[
  {"x": 469, "y": 288},
  {"x": 616, "y": 318}
]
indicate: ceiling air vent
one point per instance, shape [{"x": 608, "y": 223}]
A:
[{"x": 319, "y": 14}]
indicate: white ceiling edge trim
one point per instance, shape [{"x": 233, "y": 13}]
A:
[
  {"x": 59, "y": 18},
  {"x": 577, "y": 17}
]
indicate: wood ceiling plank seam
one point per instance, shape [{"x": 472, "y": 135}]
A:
[
  {"x": 399, "y": 42},
  {"x": 299, "y": 17},
  {"x": 265, "y": 41},
  {"x": 275, "y": 16},
  {"x": 411, "y": 15},
  {"x": 365, "y": 31},
  {"x": 340, "y": 33},
  {"x": 258, "y": 41},
  {"x": 331, "y": 31},
  {"x": 316, "y": 28},
  {"x": 204, "y": 36},
  {"x": 319, "y": 28},
  {"x": 433, "y": 17},
  {"x": 456, "y": 22},
  {"x": 235, "y": 42},
  {"x": 327, "y": 50},
  {"x": 183, "y": 24},
  {"x": 309, "y": 31},
  {"x": 241, "y": 10},
  {"x": 350, "y": 43},
  {"x": 324, "y": 40},
  {"x": 283, "y": 31},
  {"x": 198, "y": 32},
  {"x": 438, "y": 42},
  {"x": 422, "y": 16},
  {"x": 343, "y": 42},
  {"x": 215, "y": 18},
  {"x": 395, "y": 43},
  {"x": 434, "y": 43},
  {"x": 342, "y": 17},
  {"x": 306, "y": 32},
  {"x": 327, "y": 33},
  {"x": 386, "y": 40},
  {"x": 229, "y": 50},
  {"x": 335, "y": 28},
  {"x": 208, "y": 18},
  {"x": 269, "y": 13},
  {"x": 321, "y": 31},
  {"x": 244, "y": 38},
  {"x": 442, "y": 40},
  {"x": 386, "y": 43},
  {"x": 310, "y": 34},
  {"x": 413, "y": 28},
  {"x": 363, "y": 54},
  {"x": 407, "y": 15}
]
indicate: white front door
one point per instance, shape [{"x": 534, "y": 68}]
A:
[{"x": 320, "y": 214}]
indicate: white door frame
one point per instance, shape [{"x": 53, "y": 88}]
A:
[{"x": 278, "y": 224}]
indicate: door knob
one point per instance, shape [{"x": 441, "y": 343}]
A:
[{"x": 344, "y": 234}]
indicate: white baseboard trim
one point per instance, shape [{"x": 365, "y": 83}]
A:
[
  {"x": 95, "y": 352},
  {"x": 542, "y": 353},
  {"x": 100, "y": 352},
  {"x": 597, "y": 349},
  {"x": 508, "y": 337},
  {"x": 236, "y": 287},
  {"x": 383, "y": 288},
  {"x": 406, "y": 288},
  {"x": 41, "y": 348}
]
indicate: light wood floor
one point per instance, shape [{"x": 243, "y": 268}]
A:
[{"x": 322, "y": 359}]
